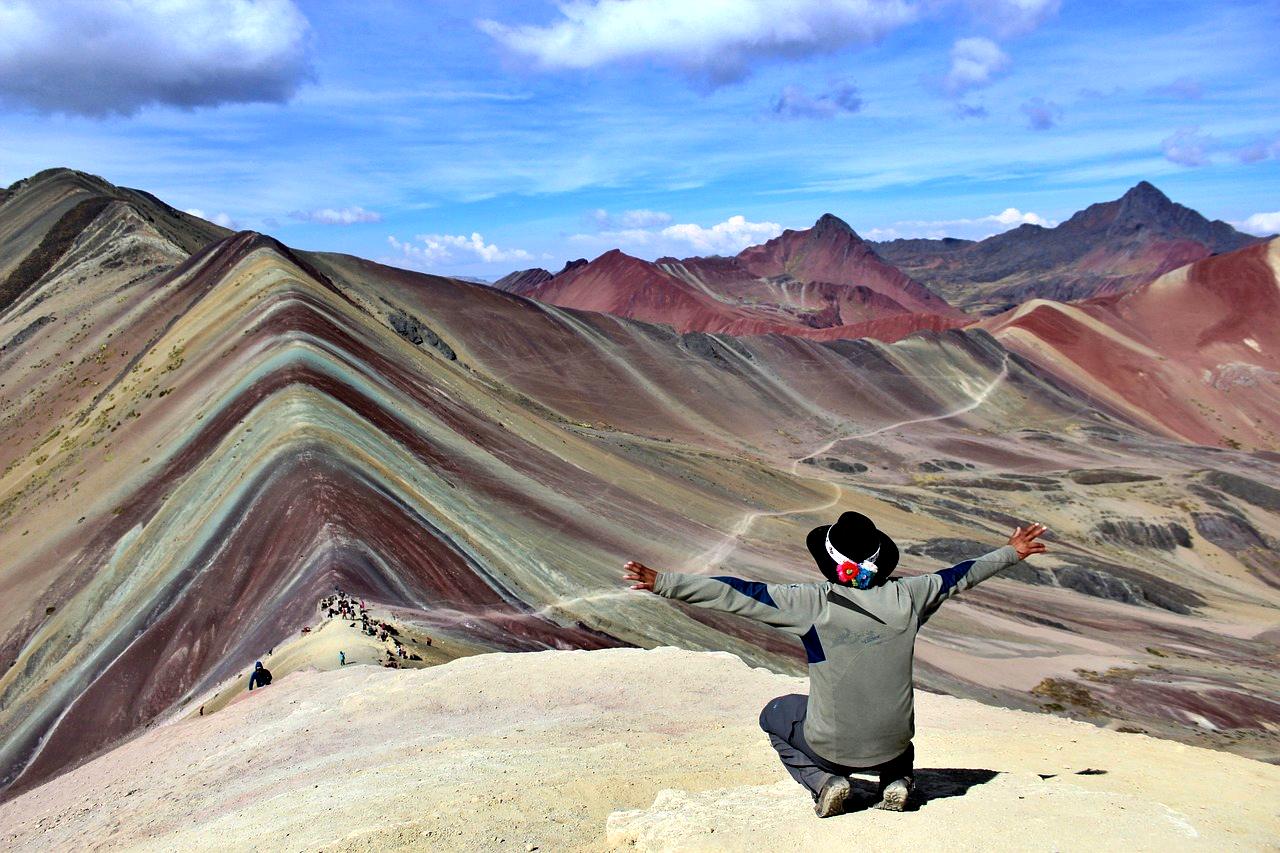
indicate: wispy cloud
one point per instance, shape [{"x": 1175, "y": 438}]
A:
[
  {"x": 1260, "y": 149},
  {"x": 1041, "y": 114},
  {"x": 337, "y": 216},
  {"x": 841, "y": 99},
  {"x": 1013, "y": 17},
  {"x": 1184, "y": 88},
  {"x": 602, "y": 220},
  {"x": 973, "y": 229},
  {"x": 98, "y": 58},
  {"x": 1187, "y": 146},
  {"x": 715, "y": 42}
]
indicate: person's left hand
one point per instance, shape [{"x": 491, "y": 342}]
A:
[
  {"x": 1023, "y": 540},
  {"x": 643, "y": 576}
]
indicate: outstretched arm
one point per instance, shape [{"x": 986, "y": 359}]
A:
[
  {"x": 929, "y": 591},
  {"x": 792, "y": 607}
]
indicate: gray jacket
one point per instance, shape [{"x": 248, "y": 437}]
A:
[{"x": 860, "y": 644}]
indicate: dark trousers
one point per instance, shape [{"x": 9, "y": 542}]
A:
[{"x": 783, "y": 720}]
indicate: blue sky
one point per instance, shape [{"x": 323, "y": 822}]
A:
[{"x": 401, "y": 130}]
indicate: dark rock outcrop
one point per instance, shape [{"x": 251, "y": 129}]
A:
[
  {"x": 1228, "y": 532},
  {"x": 936, "y": 465},
  {"x": 28, "y": 331},
  {"x": 1127, "y": 532},
  {"x": 1098, "y": 476},
  {"x": 831, "y": 463},
  {"x": 1013, "y": 483},
  {"x": 949, "y": 549},
  {"x": 1250, "y": 491},
  {"x": 1121, "y": 583},
  {"x": 416, "y": 332}
]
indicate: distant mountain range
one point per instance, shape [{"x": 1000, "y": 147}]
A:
[
  {"x": 826, "y": 282},
  {"x": 1106, "y": 248}
]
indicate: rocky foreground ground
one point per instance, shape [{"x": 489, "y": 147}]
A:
[{"x": 656, "y": 750}]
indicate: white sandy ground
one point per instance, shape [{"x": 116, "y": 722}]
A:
[{"x": 656, "y": 750}]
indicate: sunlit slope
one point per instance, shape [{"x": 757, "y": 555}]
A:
[{"x": 1194, "y": 354}]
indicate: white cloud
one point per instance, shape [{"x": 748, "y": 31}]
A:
[
  {"x": 450, "y": 249},
  {"x": 1187, "y": 146},
  {"x": 974, "y": 63},
  {"x": 339, "y": 216},
  {"x": 840, "y": 99},
  {"x": 724, "y": 238},
  {"x": 217, "y": 219},
  {"x": 1014, "y": 17},
  {"x": 972, "y": 229},
  {"x": 1262, "y": 224},
  {"x": 715, "y": 41},
  {"x": 1013, "y": 216},
  {"x": 97, "y": 58}
]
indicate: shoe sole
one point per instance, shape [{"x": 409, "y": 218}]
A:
[
  {"x": 895, "y": 800},
  {"x": 831, "y": 800}
]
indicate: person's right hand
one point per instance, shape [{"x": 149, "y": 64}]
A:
[
  {"x": 643, "y": 576},
  {"x": 1023, "y": 539}
]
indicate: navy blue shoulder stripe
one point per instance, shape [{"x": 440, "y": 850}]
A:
[
  {"x": 812, "y": 645},
  {"x": 951, "y": 577},
  {"x": 754, "y": 589}
]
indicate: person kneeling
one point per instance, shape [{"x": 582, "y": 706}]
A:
[{"x": 858, "y": 629}]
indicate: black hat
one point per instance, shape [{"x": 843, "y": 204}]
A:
[{"x": 856, "y": 537}]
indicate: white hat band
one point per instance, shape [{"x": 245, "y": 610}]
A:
[{"x": 869, "y": 563}]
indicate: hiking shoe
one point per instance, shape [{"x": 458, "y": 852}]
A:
[
  {"x": 830, "y": 800},
  {"x": 896, "y": 793}
]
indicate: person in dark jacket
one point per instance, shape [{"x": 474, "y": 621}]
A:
[
  {"x": 261, "y": 676},
  {"x": 858, "y": 629}
]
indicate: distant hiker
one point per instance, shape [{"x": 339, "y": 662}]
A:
[
  {"x": 202, "y": 710},
  {"x": 261, "y": 676},
  {"x": 858, "y": 629},
  {"x": 342, "y": 658}
]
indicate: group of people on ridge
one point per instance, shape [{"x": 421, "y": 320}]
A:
[{"x": 341, "y": 605}]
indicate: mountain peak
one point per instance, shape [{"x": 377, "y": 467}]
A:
[
  {"x": 1146, "y": 192},
  {"x": 829, "y": 222}
]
